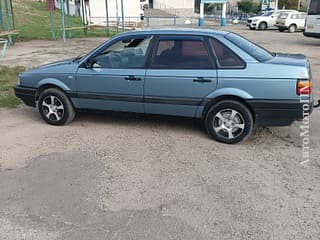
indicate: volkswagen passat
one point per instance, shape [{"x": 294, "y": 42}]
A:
[{"x": 218, "y": 76}]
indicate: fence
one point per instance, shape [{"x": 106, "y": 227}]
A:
[{"x": 131, "y": 23}]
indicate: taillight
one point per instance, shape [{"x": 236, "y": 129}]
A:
[{"x": 304, "y": 87}]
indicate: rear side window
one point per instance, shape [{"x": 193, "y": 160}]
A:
[
  {"x": 226, "y": 58},
  {"x": 181, "y": 53},
  {"x": 249, "y": 47},
  {"x": 283, "y": 16}
]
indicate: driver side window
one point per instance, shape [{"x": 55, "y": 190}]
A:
[{"x": 126, "y": 53}]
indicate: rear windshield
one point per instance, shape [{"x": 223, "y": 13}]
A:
[{"x": 249, "y": 47}]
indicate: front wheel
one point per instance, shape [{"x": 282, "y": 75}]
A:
[
  {"x": 229, "y": 122},
  {"x": 262, "y": 26},
  {"x": 55, "y": 107}
]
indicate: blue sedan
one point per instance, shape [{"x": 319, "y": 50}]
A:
[{"x": 218, "y": 76}]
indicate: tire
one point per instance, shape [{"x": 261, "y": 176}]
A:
[
  {"x": 229, "y": 121},
  {"x": 262, "y": 26},
  {"x": 292, "y": 28},
  {"x": 55, "y": 107},
  {"x": 281, "y": 30}
]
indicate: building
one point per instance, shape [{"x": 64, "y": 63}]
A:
[
  {"x": 97, "y": 10},
  {"x": 94, "y": 11},
  {"x": 176, "y": 7}
]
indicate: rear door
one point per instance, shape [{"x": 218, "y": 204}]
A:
[{"x": 181, "y": 73}]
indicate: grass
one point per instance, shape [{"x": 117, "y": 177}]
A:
[
  {"x": 32, "y": 20},
  {"x": 8, "y": 79}
]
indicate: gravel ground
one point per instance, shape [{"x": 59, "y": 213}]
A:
[{"x": 163, "y": 171}]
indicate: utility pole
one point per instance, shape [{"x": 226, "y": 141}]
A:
[
  {"x": 122, "y": 14},
  {"x": 107, "y": 19}
]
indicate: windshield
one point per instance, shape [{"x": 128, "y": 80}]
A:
[
  {"x": 249, "y": 47},
  {"x": 267, "y": 14},
  {"x": 314, "y": 7}
]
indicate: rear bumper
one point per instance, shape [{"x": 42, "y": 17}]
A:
[
  {"x": 279, "y": 113},
  {"x": 27, "y": 95},
  {"x": 309, "y": 34}
]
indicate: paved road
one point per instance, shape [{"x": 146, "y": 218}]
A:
[{"x": 50, "y": 198}]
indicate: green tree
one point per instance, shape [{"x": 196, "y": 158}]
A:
[
  {"x": 288, "y": 4},
  {"x": 248, "y": 6}
]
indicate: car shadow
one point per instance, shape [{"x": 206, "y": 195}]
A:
[{"x": 137, "y": 119}]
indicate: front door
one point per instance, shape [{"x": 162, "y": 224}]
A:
[
  {"x": 181, "y": 74},
  {"x": 113, "y": 78}
]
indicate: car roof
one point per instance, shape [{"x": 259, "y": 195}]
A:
[{"x": 187, "y": 31}]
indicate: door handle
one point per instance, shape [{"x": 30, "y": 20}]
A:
[
  {"x": 132, "y": 78},
  {"x": 202, "y": 80}
]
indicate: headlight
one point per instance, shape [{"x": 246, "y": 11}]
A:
[
  {"x": 255, "y": 20},
  {"x": 19, "y": 79}
]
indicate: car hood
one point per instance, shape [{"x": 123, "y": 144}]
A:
[
  {"x": 257, "y": 18},
  {"x": 55, "y": 64},
  {"x": 63, "y": 66}
]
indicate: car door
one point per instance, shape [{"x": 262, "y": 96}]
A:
[
  {"x": 180, "y": 75},
  {"x": 113, "y": 77}
]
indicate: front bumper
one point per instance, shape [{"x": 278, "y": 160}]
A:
[
  {"x": 26, "y": 94},
  {"x": 252, "y": 25}
]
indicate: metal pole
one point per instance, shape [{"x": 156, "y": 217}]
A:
[
  {"x": 201, "y": 19},
  {"x": 83, "y": 19},
  {"x": 107, "y": 19},
  {"x": 8, "y": 20},
  {"x": 68, "y": 18},
  {"x": 52, "y": 21},
  {"x": 224, "y": 14},
  {"x": 122, "y": 15},
  {"x": 62, "y": 21},
  {"x": 12, "y": 16},
  {"x": 1, "y": 18}
]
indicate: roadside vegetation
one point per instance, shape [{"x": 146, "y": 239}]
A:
[
  {"x": 8, "y": 79},
  {"x": 33, "y": 22}
]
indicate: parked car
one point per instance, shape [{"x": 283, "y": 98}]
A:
[
  {"x": 265, "y": 21},
  {"x": 217, "y": 76},
  {"x": 291, "y": 21}
]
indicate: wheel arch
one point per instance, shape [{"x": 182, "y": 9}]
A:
[
  {"x": 62, "y": 87},
  {"x": 293, "y": 24},
  {"x": 264, "y": 23},
  {"x": 215, "y": 100},
  {"x": 51, "y": 83}
]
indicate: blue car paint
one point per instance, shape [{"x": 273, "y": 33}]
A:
[{"x": 270, "y": 80}]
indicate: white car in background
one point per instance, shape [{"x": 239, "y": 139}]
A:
[
  {"x": 265, "y": 21},
  {"x": 291, "y": 21}
]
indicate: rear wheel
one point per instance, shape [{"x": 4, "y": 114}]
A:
[
  {"x": 292, "y": 28},
  {"x": 229, "y": 122},
  {"x": 55, "y": 107},
  {"x": 262, "y": 26}
]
